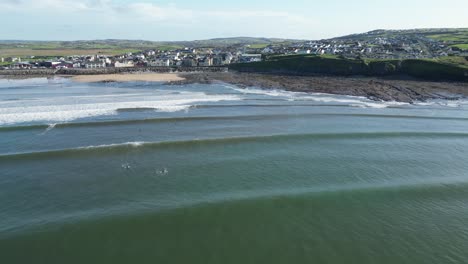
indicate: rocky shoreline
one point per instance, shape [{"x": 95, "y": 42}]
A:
[{"x": 379, "y": 89}]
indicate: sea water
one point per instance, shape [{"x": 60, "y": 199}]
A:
[{"x": 151, "y": 173}]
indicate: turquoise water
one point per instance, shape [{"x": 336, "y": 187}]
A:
[{"x": 148, "y": 173}]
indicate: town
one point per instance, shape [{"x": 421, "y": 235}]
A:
[{"x": 372, "y": 45}]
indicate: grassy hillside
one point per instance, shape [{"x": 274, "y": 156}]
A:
[
  {"x": 442, "y": 34},
  {"x": 440, "y": 69},
  {"x": 224, "y": 42},
  {"x": 460, "y": 35},
  {"x": 114, "y": 47},
  {"x": 461, "y": 46},
  {"x": 64, "y": 48},
  {"x": 454, "y": 37},
  {"x": 61, "y": 52}
]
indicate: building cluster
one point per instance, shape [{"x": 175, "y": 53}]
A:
[
  {"x": 187, "y": 57},
  {"x": 375, "y": 46},
  {"x": 395, "y": 47}
]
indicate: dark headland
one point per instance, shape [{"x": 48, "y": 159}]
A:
[{"x": 376, "y": 88}]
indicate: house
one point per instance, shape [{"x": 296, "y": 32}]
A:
[
  {"x": 21, "y": 65},
  {"x": 124, "y": 64},
  {"x": 227, "y": 58},
  {"x": 63, "y": 65},
  {"x": 160, "y": 63},
  {"x": 141, "y": 64},
  {"x": 206, "y": 62},
  {"x": 94, "y": 65},
  {"x": 106, "y": 60},
  {"x": 12, "y": 59},
  {"x": 268, "y": 50},
  {"x": 49, "y": 64},
  {"x": 189, "y": 62},
  {"x": 222, "y": 59},
  {"x": 218, "y": 61},
  {"x": 250, "y": 57}
]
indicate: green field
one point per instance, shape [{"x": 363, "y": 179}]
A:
[
  {"x": 116, "y": 47},
  {"x": 457, "y": 37},
  {"x": 25, "y": 52},
  {"x": 68, "y": 48},
  {"x": 461, "y": 46},
  {"x": 259, "y": 46},
  {"x": 453, "y": 60}
]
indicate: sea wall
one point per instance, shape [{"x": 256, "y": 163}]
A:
[{"x": 30, "y": 72}]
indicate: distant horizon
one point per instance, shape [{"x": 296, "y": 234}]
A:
[
  {"x": 184, "y": 20},
  {"x": 229, "y": 37}
]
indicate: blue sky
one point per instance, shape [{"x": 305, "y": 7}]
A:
[{"x": 202, "y": 19}]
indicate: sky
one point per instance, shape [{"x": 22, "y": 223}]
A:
[{"x": 162, "y": 20}]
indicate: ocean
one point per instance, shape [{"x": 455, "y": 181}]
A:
[{"x": 144, "y": 172}]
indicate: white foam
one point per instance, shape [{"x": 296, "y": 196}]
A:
[
  {"x": 275, "y": 93},
  {"x": 129, "y": 144},
  {"x": 65, "y": 110},
  {"x": 354, "y": 101},
  {"x": 459, "y": 103}
]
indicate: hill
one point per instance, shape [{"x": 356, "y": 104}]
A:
[
  {"x": 456, "y": 37},
  {"x": 114, "y": 46},
  {"x": 449, "y": 34}
]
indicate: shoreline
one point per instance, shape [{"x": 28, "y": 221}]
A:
[
  {"x": 378, "y": 89},
  {"x": 375, "y": 88},
  {"x": 142, "y": 77}
]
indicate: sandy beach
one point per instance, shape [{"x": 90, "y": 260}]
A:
[{"x": 145, "y": 77}]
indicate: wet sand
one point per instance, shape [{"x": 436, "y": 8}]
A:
[{"x": 145, "y": 77}]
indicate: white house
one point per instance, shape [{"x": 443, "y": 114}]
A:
[
  {"x": 94, "y": 65},
  {"x": 267, "y": 50},
  {"x": 124, "y": 64},
  {"x": 105, "y": 60},
  {"x": 251, "y": 57}
]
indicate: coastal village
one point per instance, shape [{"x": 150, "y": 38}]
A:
[{"x": 378, "y": 47}]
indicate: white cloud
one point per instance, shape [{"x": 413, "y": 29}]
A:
[
  {"x": 110, "y": 16},
  {"x": 143, "y": 10},
  {"x": 149, "y": 12}
]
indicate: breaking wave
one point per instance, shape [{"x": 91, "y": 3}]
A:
[
  {"x": 123, "y": 147},
  {"x": 354, "y": 101},
  {"x": 69, "y": 112}
]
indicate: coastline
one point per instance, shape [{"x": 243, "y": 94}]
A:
[
  {"x": 396, "y": 88},
  {"x": 143, "y": 77},
  {"x": 379, "y": 89}
]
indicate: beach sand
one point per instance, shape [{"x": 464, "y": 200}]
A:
[{"x": 148, "y": 77}]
